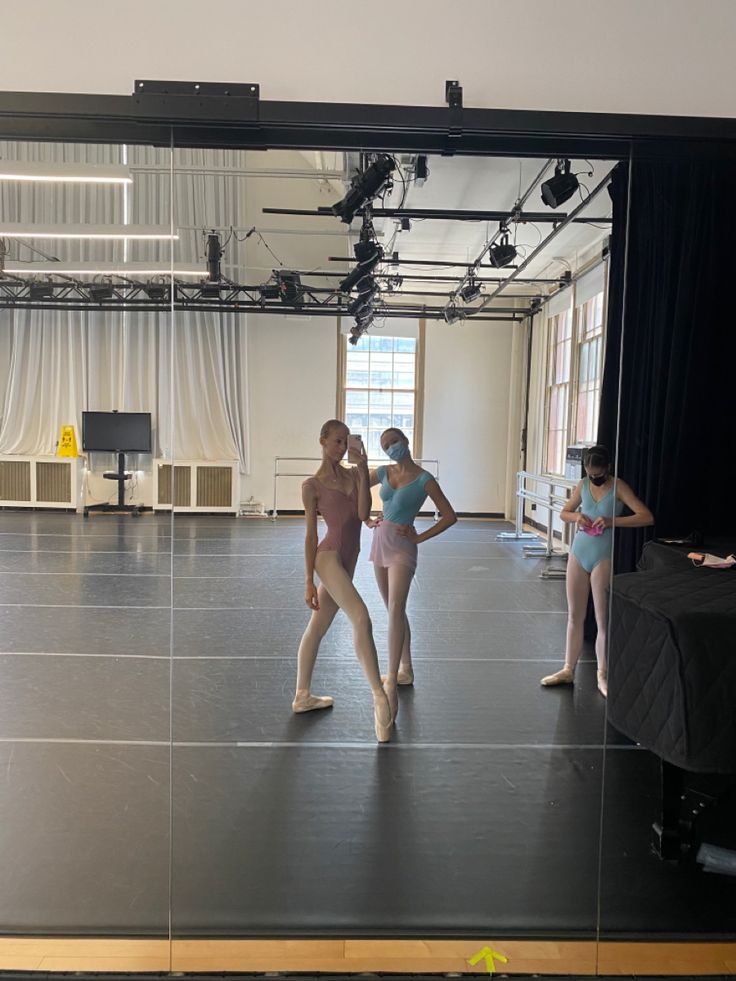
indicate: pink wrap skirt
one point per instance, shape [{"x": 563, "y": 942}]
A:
[{"x": 390, "y": 548}]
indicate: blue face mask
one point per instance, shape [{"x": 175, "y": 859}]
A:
[{"x": 397, "y": 451}]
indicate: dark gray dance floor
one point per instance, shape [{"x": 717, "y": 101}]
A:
[{"x": 483, "y": 816}]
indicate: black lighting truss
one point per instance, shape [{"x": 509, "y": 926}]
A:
[{"x": 222, "y": 297}]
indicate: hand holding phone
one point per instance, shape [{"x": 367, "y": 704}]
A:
[{"x": 356, "y": 451}]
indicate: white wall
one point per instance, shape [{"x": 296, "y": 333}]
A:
[
  {"x": 466, "y": 411},
  {"x": 292, "y": 367},
  {"x": 642, "y": 56}
]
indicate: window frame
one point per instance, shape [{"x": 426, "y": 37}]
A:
[{"x": 418, "y": 390}]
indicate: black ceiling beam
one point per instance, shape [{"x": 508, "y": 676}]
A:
[
  {"x": 214, "y": 120},
  {"x": 388, "y": 261},
  {"x": 443, "y": 214}
]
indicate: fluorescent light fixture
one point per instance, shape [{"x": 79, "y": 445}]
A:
[
  {"x": 128, "y": 269},
  {"x": 106, "y": 232},
  {"x": 17, "y": 170}
]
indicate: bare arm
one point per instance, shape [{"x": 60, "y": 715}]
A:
[
  {"x": 570, "y": 513},
  {"x": 364, "y": 487},
  {"x": 642, "y": 516},
  {"x": 446, "y": 512},
  {"x": 309, "y": 499}
]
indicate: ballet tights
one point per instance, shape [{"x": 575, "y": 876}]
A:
[{"x": 337, "y": 592}]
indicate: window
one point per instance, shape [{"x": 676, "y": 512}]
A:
[
  {"x": 380, "y": 388},
  {"x": 558, "y": 391},
  {"x": 590, "y": 368}
]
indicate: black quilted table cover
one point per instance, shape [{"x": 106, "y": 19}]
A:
[{"x": 672, "y": 664}]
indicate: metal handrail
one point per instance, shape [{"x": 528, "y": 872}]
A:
[
  {"x": 308, "y": 459},
  {"x": 553, "y": 502}
]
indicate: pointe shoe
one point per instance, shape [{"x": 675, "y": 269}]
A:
[
  {"x": 405, "y": 677},
  {"x": 304, "y": 702},
  {"x": 382, "y": 718},
  {"x": 565, "y": 676},
  {"x": 603, "y": 683},
  {"x": 392, "y": 695}
]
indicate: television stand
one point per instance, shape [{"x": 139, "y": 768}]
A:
[{"x": 121, "y": 507}]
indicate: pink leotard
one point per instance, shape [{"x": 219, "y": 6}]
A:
[{"x": 340, "y": 512}]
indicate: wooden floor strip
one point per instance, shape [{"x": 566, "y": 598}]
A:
[{"x": 363, "y": 956}]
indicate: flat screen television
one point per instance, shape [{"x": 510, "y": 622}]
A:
[{"x": 116, "y": 432}]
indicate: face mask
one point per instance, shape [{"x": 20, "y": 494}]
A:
[
  {"x": 599, "y": 481},
  {"x": 397, "y": 451}
]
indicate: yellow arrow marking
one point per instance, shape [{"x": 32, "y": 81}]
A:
[{"x": 488, "y": 955}]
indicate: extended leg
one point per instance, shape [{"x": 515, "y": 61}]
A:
[
  {"x": 577, "y": 582},
  {"x": 319, "y": 624},
  {"x": 600, "y": 580},
  {"x": 338, "y": 582}
]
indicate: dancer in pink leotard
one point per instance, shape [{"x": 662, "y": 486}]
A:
[{"x": 342, "y": 496}]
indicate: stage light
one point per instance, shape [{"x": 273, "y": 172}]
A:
[
  {"x": 270, "y": 291},
  {"x": 214, "y": 254},
  {"x": 290, "y": 286},
  {"x": 452, "y": 314},
  {"x": 40, "y": 291},
  {"x": 101, "y": 291},
  {"x": 369, "y": 254},
  {"x": 470, "y": 291},
  {"x": 364, "y": 187},
  {"x": 504, "y": 253},
  {"x": 210, "y": 291},
  {"x": 561, "y": 187},
  {"x": 156, "y": 291},
  {"x": 393, "y": 283}
]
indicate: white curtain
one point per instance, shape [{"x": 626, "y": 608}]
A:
[{"x": 188, "y": 369}]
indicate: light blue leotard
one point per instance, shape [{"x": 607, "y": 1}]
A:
[
  {"x": 589, "y": 550},
  {"x": 402, "y": 505}
]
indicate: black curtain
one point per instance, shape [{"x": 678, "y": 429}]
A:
[{"x": 671, "y": 308}]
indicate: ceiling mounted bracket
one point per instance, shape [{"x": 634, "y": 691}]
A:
[
  {"x": 223, "y": 101},
  {"x": 454, "y": 100}
]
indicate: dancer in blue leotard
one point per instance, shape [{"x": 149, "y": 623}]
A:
[
  {"x": 589, "y": 564},
  {"x": 404, "y": 488}
]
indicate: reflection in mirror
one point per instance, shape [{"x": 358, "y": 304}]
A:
[
  {"x": 477, "y": 346},
  {"x": 84, "y": 561},
  {"x": 668, "y": 845}
]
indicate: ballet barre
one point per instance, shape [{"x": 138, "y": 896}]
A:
[
  {"x": 278, "y": 473},
  {"x": 553, "y": 501}
]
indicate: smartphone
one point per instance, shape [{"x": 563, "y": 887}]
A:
[{"x": 355, "y": 448}]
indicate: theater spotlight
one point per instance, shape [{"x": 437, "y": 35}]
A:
[
  {"x": 452, "y": 314},
  {"x": 214, "y": 254},
  {"x": 156, "y": 291},
  {"x": 504, "y": 252},
  {"x": 364, "y": 187},
  {"x": 101, "y": 291},
  {"x": 290, "y": 286},
  {"x": 470, "y": 291},
  {"x": 270, "y": 291},
  {"x": 393, "y": 283},
  {"x": 39, "y": 290},
  {"x": 561, "y": 187},
  {"x": 369, "y": 254}
]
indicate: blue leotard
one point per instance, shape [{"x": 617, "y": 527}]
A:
[
  {"x": 589, "y": 550},
  {"x": 401, "y": 505}
]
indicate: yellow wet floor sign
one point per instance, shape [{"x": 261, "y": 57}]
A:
[
  {"x": 67, "y": 442},
  {"x": 487, "y": 954}
]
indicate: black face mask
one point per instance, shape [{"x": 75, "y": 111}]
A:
[{"x": 599, "y": 481}]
